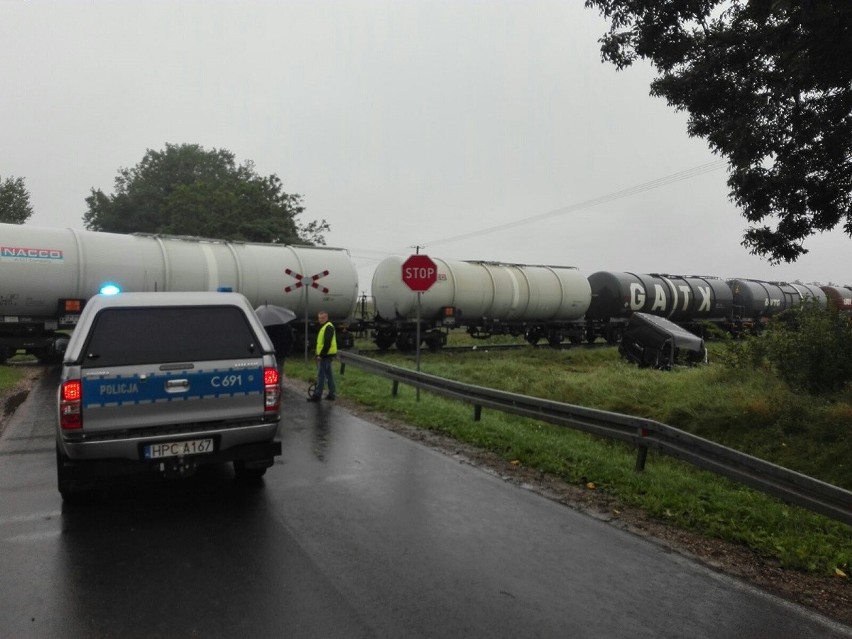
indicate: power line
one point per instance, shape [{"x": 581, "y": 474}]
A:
[{"x": 617, "y": 195}]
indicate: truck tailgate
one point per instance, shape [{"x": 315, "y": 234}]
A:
[{"x": 129, "y": 398}]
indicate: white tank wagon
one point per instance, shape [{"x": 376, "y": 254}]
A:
[
  {"x": 486, "y": 298},
  {"x": 47, "y": 274}
]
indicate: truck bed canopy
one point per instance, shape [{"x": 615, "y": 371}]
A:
[{"x": 659, "y": 343}]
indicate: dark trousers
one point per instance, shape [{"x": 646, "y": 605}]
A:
[{"x": 324, "y": 374}]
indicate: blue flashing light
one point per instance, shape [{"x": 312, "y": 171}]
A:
[{"x": 110, "y": 289}]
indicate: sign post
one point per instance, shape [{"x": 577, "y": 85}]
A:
[{"x": 419, "y": 273}]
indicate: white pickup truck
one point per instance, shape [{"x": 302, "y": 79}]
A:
[{"x": 165, "y": 382}]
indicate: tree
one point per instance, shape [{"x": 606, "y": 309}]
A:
[
  {"x": 188, "y": 190},
  {"x": 15, "y": 207},
  {"x": 768, "y": 83}
]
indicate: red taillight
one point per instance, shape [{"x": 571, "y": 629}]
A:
[
  {"x": 271, "y": 390},
  {"x": 70, "y": 402},
  {"x": 270, "y": 376}
]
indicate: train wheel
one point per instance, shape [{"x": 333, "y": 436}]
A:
[
  {"x": 613, "y": 335},
  {"x": 533, "y": 335},
  {"x": 406, "y": 343},
  {"x": 47, "y": 355},
  {"x": 384, "y": 337},
  {"x": 384, "y": 342}
]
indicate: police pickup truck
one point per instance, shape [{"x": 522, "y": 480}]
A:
[{"x": 165, "y": 382}]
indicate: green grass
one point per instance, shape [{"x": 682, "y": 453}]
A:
[
  {"x": 754, "y": 413},
  {"x": 9, "y": 376}
]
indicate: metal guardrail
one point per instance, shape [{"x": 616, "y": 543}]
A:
[{"x": 785, "y": 484}]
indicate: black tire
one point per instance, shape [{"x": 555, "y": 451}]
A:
[
  {"x": 247, "y": 475},
  {"x": 72, "y": 490}
]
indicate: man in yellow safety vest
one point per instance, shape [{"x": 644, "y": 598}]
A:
[{"x": 326, "y": 349}]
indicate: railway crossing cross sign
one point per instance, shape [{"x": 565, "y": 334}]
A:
[
  {"x": 419, "y": 272},
  {"x": 306, "y": 283},
  {"x": 312, "y": 281}
]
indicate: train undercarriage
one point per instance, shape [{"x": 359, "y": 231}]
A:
[{"x": 402, "y": 335}]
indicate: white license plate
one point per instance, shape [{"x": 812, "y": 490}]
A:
[{"x": 179, "y": 449}]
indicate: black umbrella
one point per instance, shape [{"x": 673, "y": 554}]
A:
[{"x": 270, "y": 315}]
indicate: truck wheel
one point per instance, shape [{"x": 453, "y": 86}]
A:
[
  {"x": 72, "y": 490},
  {"x": 247, "y": 475}
]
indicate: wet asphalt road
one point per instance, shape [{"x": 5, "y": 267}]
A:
[{"x": 356, "y": 532}]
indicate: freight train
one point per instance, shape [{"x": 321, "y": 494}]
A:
[
  {"x": 558, "y": 304},
  {"x": 48, "y": 274}
]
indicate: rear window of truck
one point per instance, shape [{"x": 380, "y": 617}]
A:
[{"x": 158, "y": 335}]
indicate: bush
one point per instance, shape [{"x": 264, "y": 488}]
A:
[{"x": 809, "y": 347}]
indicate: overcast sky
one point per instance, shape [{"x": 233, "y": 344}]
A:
[{"x": 475, "y": 129}]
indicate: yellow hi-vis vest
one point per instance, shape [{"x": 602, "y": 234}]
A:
[{"x": 321, "y": 340}]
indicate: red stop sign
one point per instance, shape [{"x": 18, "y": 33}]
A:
[{"x": 419, "y": 272}]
